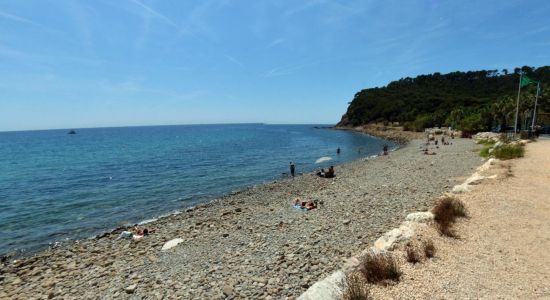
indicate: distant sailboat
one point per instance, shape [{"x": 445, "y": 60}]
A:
[{"x": 71, "y": 132}]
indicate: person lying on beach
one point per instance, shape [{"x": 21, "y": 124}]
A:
[
  {"x": 298, "y": 203},
  {"x": 321, "y": 173},
  {"x": 330, "y": 172},
  {"x": 139, "y": 232},
  {"x": 309, "y": 205},
  {"x": 426, "y": 152}
]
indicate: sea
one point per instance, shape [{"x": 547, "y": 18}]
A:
[{"x": 58, "y": 187}]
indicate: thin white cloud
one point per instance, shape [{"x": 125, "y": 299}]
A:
[
  {"x": 275, "y": 43},
  {"x": 234, "y": 60},
  {"x": 288, "y": 69},
  {"x": 13, "y": 53},
  {"x": 304, "y": 6},
  {"x": 155, "y": 13},
  {"x": 15, "y": 18}
]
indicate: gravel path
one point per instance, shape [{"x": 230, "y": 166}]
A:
[
  {"x": 253, "y": 244},
  {"x": 503, "y": 249}
]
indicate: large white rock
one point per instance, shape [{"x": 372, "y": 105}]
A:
[
  {"x": 171, "y": 244},
  {"x": 386, "y": 242},
  {"x": 474, "y": 179},
  {"x": 329, "y": 288},
  {"x": 487, "y": 165},
  {"x": 461, "y": 188},
  {"x": 420, "y": 217},
  {"x": 486, "y": 136}
]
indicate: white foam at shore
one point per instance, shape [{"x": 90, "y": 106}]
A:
[{"x": 147, "y": 221}]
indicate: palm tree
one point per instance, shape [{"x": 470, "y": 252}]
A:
[{"x": 503, "y": 110}]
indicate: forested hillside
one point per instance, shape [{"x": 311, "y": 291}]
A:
[{"x": 471, "y": 101}]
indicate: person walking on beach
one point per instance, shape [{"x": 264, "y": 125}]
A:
[
  {"x": 292, "y": 169},
  {"x": 385, "y": 149}
]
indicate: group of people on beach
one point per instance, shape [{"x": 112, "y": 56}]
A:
[
  {"x": 430, "y": 137},
  {"x": 136, "y": 233},
  {"x": 327, "y": 174}
]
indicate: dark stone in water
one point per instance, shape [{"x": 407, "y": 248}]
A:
[{"x": 100, "y": 236}]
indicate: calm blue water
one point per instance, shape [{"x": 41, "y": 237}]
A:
[{"x": 56, "y": 186}]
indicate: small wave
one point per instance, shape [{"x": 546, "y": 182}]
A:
[{"x": 147, "y": 221}]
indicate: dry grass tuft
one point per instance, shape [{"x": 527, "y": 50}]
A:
[
  {"x": 446, "y": 211},
  {"x": 429, "y": 249},
  {"x": 509, "y": 172},
  {"x": 413, "y": 254},
  {"x": 379, "y": 268},
  {"x": 355, "y": 288}
]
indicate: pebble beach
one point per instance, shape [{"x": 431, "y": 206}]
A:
[{"x": 252, "y": 244}]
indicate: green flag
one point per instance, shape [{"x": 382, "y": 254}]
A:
[{"x": 526, "y": 81}]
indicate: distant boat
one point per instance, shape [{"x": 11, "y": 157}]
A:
[{"x": 71, "y": 132}]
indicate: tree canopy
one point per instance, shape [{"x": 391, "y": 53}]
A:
[{"x": 477, "y": 100}]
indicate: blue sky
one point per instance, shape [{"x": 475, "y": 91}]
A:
[{"x": 72, "y": 64}]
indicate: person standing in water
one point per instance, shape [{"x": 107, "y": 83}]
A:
[
  {"x": 292, "y": 169},
  {"x": 338, "y": 150}
]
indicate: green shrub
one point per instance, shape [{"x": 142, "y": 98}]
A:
[
  {"x": 485, "y": 151},
  {"x": 419, "y": 124},
  {"x": 471, "y": 124},
  {"x": 408, "y": 126},
  {"x": 508, "y": 151},
  {"x": 486, "y": 142}
]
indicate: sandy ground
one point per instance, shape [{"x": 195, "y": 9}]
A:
[{"x": 503, "y": 250}]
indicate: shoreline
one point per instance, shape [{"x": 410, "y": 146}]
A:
[
  {"x": 251, "y": 243},
  {"x": 394, "y": 134},
  {"x": 19, "y": 254}
]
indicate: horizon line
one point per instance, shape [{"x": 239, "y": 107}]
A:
[{"x": 162, "y": 125}]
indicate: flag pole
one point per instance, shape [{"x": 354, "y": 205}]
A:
[
  {"x": 535, "y": 110},
  {"x": 517, "y": 104}
]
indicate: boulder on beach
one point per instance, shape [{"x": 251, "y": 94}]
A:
[
  {"x": 403, "y": 233},
  {"x": 461, "y": 188},
  {"x": 420, "y": 217},
  {"x": 171, "y": 244},
  {"x": 327, "y": 289}
]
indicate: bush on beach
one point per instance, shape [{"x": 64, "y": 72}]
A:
[
  {"x": 413, "y": 254},
  {"x": 508, "y": 151},
  {"x": 446, "y": 211},
  {"x": 355, "y": 288},
  {"x": 484, "y": 152},
  {"x": 429, "y": 249},
  {"x": 379, "y": 268}
]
